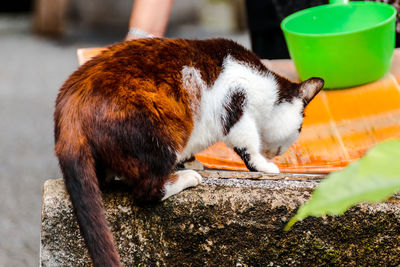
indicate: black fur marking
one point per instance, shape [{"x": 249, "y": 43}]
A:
[
  {"x": 181, "y": 164},
  {"x": 299, "y": 130},
  {"x": 287, "y": 90},
  {"x": 234, "y": 110},
  {"x": 301, "y": 125},
  {"x": 279, "y": 150},
  {"x": 242, "y": 152}
]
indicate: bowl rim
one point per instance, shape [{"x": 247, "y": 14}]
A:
[{"x": 355, "y": 3}]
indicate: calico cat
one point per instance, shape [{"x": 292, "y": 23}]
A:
[{"x": 143, "y": 106}]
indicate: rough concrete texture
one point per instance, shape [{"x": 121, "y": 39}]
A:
[{"x": 226, "y": 222}]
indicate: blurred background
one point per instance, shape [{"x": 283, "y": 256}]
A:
[{"x": 38, "y": 43}]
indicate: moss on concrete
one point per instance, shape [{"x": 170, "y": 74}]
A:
[{"x": 226, "y": 223}]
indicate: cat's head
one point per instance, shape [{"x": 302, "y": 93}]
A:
[{"x": 282, "y": 129}]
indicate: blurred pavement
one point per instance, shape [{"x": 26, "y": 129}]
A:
[{"x": 31, "y": 71}]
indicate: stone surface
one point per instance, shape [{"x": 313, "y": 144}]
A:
[{"x": 226, "y": 222}]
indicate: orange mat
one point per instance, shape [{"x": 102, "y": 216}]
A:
[{"x": 339, "y": 126}]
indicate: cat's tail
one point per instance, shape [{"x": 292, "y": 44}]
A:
[{"x": 78, "y": 167}]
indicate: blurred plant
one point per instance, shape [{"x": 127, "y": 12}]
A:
[{"x": 373, "y": 178}]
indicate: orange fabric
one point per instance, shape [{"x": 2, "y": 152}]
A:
[{"x": 339, "y": 127}]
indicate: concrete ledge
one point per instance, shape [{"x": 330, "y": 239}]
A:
[{"x": 226, "y": 222}]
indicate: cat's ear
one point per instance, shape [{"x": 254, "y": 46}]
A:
[{"x": 310, "y": 88}]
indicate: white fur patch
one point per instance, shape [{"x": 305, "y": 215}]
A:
[
  {"x": 186, "y": 178},
  {"x": 244, "y": 134},
  {"x": 194, "y": 84},
  {"x": 261, "y": 89},
  {"x": 281, "y": 128},
  {"x": 191, "y": 79}
]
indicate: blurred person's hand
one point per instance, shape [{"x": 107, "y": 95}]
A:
[{"x": 149, "y": 18}]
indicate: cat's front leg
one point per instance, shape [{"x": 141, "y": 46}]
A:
[{"x": 245, "y": 141}]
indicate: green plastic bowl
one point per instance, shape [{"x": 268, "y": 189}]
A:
[{"x": 345, "y": 44}]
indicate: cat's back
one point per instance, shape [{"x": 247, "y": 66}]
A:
[
  {"x": 157, "y": 61},
  {"x": 135, "y": 64},
  {"x": 150, "y": 70}
]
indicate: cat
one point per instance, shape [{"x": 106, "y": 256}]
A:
[{"x": 143, "y": 106}]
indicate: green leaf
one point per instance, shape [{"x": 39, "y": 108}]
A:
[{"x": 373, "y": 178}]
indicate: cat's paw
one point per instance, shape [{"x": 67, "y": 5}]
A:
[
  {"x": 263, "y": 165},
  {"x": 269, "y": 167},
  {"x": 183, "y": 179},
  {"x": 189, "y": 177}
]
